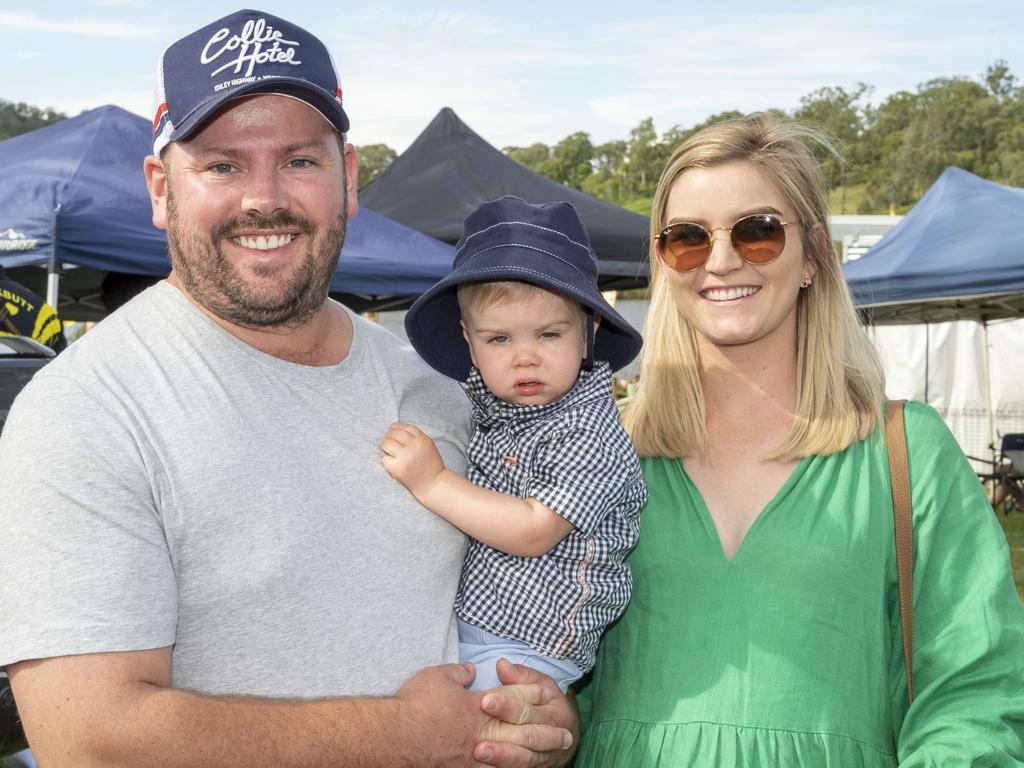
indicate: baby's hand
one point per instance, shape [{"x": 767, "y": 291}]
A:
[{"x": 411, "y": 457}]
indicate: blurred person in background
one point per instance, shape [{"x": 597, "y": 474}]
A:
[{"x": 24, "y": 313}]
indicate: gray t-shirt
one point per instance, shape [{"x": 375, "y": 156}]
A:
[{"x": 163, "y": 483}]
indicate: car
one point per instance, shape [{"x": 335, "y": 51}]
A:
[{"x": 20, "y": 358}]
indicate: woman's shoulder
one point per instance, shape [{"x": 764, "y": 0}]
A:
[
  {"x": 940, "y": 474},
  {"x": 926, "y": 431},
  {"x": 921, "y": 416}
]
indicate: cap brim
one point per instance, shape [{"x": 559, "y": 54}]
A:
[{"x": 302, "y": 90}]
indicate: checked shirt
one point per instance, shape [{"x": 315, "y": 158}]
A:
[{"x": 574, "y": 458}]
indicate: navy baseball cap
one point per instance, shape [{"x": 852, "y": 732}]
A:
[
  {"x": 511, "y": 239},
  {"x": 246, "y": 52}
]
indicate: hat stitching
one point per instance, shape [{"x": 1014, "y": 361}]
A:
[
  {"x": 528, "y": 247},
  {"x": 525, "y": 224}
]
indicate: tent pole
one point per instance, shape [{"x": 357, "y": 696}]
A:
[
  {"x": 53, "y": 266},
  {"x": 927, "y": 358},
  {"x": 988, "y": 390},
  {"x": 53, "y": 282}
]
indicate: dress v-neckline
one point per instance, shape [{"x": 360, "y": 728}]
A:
[{"x": 709, "y": 522}]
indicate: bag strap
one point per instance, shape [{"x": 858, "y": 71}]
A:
[{"x": 899, "y": 474}]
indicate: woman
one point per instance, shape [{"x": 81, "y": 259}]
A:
[{"x": 764, "y": 626}]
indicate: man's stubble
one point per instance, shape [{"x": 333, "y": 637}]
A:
[{"x": 212, "y": 281}]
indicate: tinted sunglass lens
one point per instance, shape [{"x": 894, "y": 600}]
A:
[
  {"x": 686, "y": 246},
  {"x": 759, "y": 239}
]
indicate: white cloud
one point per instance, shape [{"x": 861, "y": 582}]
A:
[
  {"x": 518, "y": 77},
  {"x": 134, "y": 101},
  {"x": 26, "y": 55},
  {"x": 682, "y": 72},
  {"x": 104, "y": 28},
  {"x": 398, "y": 70}
]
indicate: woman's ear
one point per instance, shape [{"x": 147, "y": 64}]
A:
[{"x": 819, "y": 247}]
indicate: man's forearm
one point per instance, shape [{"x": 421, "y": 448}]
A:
[
  {"x": 378, "y": 733},
  {"x": 173, "y": 728},
  {"x": 79, "y": 721}
]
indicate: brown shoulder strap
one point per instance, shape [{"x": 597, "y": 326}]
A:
[{"x": 899, "y": 472}]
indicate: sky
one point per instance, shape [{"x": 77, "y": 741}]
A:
[{"x": 529, "y": 71}]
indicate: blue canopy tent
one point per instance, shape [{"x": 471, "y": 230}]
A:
[
  {"x": 73, "y": 195},
  {"x": 957, "y": 255}
]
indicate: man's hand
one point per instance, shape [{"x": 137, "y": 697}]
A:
[
  {"x": 530, "y": 713},
  {"x": 441, "y": 719},
  {"x": 411, "y": 457},
  {"x": 520, "y": 720}
]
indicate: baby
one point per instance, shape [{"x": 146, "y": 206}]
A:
[{"x": 554, "y": 487}]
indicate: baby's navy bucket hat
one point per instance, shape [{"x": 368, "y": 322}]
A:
[{"x": 510, "y": 239}]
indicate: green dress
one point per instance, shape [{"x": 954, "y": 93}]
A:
[{"x": 791, "y": 653}]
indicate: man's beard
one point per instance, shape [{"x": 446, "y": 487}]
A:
[{"x": 212, "y": 281}]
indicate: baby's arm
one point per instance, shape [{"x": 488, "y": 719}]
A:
[{"x": 521, "y": 527}]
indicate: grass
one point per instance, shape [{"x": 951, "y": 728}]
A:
[
  {"x": 849, "y": 199},
  {"x": 641, "y": 205},
  {"x": 1013, "y": 527}
]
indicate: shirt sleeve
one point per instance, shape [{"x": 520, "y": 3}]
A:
[
  {"x": 84, "y": 563},
  {"x": 580, "y": 475},
  {"x": 968, "y": 627}
]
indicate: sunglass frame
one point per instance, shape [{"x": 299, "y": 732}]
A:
[{"x": 710, "y": 231}]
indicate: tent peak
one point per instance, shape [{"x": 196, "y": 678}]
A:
[{"x": 445, "y": 123}]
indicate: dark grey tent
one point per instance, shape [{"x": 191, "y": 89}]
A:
[{"x": 449, "y": 170}]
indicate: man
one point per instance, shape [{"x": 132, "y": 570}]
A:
[
  {"x": 23, "y": 313},
  {"x": 222, "y": 573}
]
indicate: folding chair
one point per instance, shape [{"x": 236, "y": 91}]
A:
[{"x": 1006, "y": 481}]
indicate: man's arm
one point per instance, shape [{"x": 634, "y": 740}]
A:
[
  {"x": 117, "y": 709},
  {"x": 522, "y": 527}
]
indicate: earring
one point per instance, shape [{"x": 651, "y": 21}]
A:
[{"x": 805, "y": 281}]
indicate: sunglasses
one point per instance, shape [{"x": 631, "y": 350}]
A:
[{"x": 758, "y": 239}]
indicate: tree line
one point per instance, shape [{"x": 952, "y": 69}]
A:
[
  {"x": 18, "y": 117},
  {"x": 889, "y": 153}
]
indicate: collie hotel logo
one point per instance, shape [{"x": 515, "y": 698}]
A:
[
  {"x": 12, "y": 240},
  {"x": 257, "y": 43}
]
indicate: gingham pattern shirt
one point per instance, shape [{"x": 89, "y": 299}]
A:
[{"x": 575, "y": 459}]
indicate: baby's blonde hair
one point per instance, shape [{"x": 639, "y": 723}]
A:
[{"x": 472, "y": 296}]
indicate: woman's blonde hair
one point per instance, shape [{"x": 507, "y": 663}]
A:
[{"x": 840, "y": 384}]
